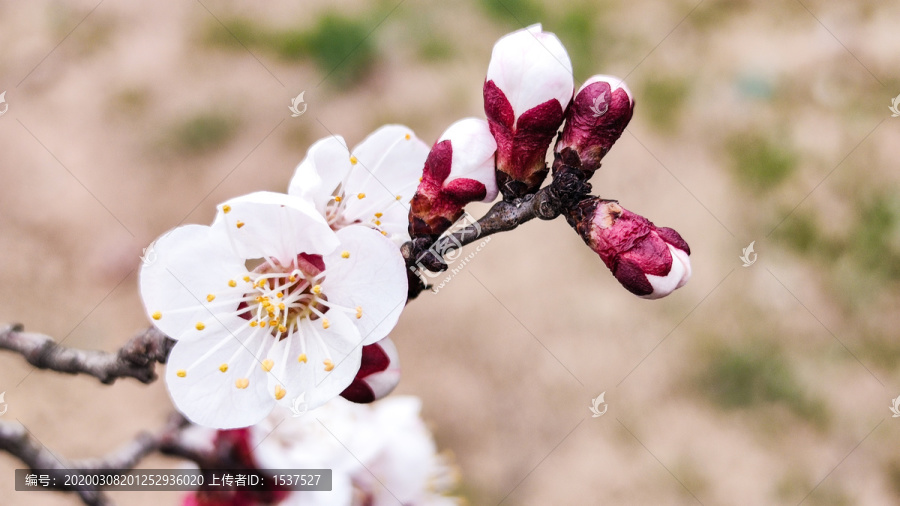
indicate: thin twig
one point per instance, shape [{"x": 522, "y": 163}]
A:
[
  {"x": 16, "y": 440},
  {"x": 568, "y": 187},
  {"x": 137, "y": 359}
]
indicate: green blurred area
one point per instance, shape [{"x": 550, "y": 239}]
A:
[
  {"x": 752, "y": 375},
  {"x": 760, "y": 161},
  {"x": 337, "y": 43},
  {"x": 202, "y": 132}
]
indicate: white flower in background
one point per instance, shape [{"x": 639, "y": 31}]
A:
[
  {"x": 371, "y": 185},
  {"x": 267, "y": 304},
  {"x": 381, "y": 454}
]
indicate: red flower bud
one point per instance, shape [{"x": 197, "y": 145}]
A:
[
  {"x": 459, "y": 169},
  {"x": 378, "y": 374},
  {"x": 528, "y": 86},
  {"x": 596, "y": 119},
  {"x": 648, "y": 261}
]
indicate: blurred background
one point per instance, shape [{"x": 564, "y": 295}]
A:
[{"x": 756, "y": 121}]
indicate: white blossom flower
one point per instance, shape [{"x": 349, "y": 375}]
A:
[
  {"x": 371, "y": 185},
  {"x": 380, "y": 454},
  {"x": 267, "y": 304}
]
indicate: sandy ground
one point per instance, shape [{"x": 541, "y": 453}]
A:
[{"x": 508, "y": 356}]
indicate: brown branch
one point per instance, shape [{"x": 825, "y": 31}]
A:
[
  {"x": 18, "y": 441},
  {"x": 568, "y": 187},
  {"x": 137, "y": 359}
]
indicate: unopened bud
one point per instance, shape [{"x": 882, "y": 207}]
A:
[
  {"x": 378, "y": 373},
  {"x": 529, "y": 83},
  {"x": 596, "y": 119},
  {"x": 647, "y": 260},
  {"x": 459, "y": 170}
]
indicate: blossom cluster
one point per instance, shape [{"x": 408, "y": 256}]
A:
[
  {"x": 290, "y": 298},
  {"x": 528, "y": 96},
  {"x": 290, "y": 295}
]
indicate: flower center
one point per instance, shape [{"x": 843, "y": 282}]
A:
[{"x": 282, "y": 296}]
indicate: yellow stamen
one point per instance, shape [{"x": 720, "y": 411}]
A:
[
  {"x": 345, "y": 254},
  {"x": 223, "y": 367},
  {"x": 358, "y": 312},
  {"x": 280, "y": 295},
  {"x": 282, "y": 328},
  {"x": 379, "y": 215},
  {"x": 262, "y": 324},
  {"x": 199, "y": 326},
  {"x": 242, "y": 383},
  {"x": 253, "y": 323},
  {"x": 302, "y": 358},
  {"x": 226, "y": 209},
  {"x": 399, "y": 197},
  {"x": 232, "y": 283},
  {"x": 353, "y": 160},
  {"x": 377, "y": 222},
  {"x": 384, "y": 233},
  {"x": 292, "y": 278},
  {"x": 407, "y": 137},
  {"x": 325, "y": 323},
  {"x": 268, "y": 364},
  {"x": 361, "y": 196},
  {"x": 317, "y": 289},
  {"x": 279, "y": 392},
  {"x": 181, "y": 373},
  {"x": 337, "y": 198},
  {"x": 247, "y": 278},
  {"x": 261, "y": 283},
  {"x": 210, "y": 298},
  {"x": 239, "y": 224},
  {"x": 329, "y": 365},
  {"x": 281, "y": 306},
  {"x": 157, "y": 315}
]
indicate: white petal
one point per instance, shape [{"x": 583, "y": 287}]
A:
[
  {"x": 275, "y": 225},
  {"x": 373, "y": 277},
  {"x": 531, "y": 67},
  {"x": 326, "y": 165},
  {"x": 678, "y": 275},
  {"x": 685, "y": 260},
  {"x": 614, "y": 84},
  {"x": 310, "y": 378},
  {"x": 382, "y": 383},
  {"x": 209, "y": 397},
  {"x": 389, "y": 164},
  {"x": 395, "y": 221},
  {"x": 191, "y": 262},
  {"x": 473, "y": 153}
]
